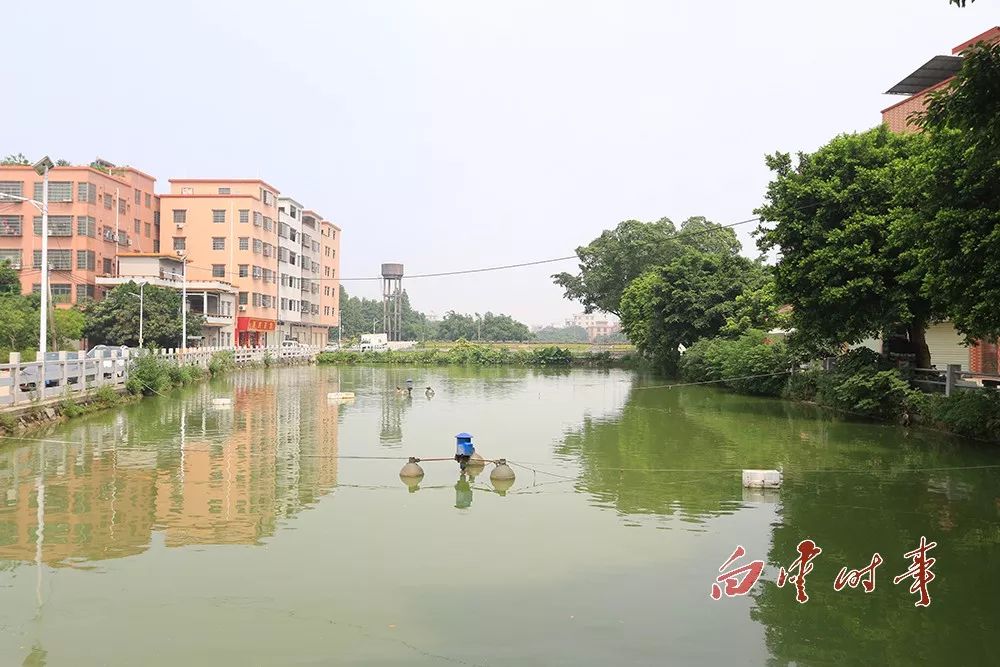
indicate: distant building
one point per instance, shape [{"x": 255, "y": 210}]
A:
[{"x": 596, "y": 324}]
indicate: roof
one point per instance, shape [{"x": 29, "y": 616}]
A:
[
  {"x": 990, "y": 35},
  {"x": 931, "y": 73},
  {"x": 165, "y": 255},
  {"x": 224, "y": 180}
]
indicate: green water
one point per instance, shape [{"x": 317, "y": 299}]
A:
[{"x": 171, "y": 532}]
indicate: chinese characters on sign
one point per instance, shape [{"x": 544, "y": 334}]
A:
[{"x": 740, "y": 580}]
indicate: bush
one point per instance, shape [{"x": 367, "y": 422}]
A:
[
  {"x": 751, "y": 364},
  {"x": 871, "y": 393},
  {"x": 7, "y": 423},
  {"x": 972, "y": 413},
  {"x": 803, "y": 386},
  {"x": 221, "y": 362},
  {"x": 106, "y": 396},
  {"x": 462, "y": 353}
]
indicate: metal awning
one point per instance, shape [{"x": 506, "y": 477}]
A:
[{"x": 934, "y": 71}]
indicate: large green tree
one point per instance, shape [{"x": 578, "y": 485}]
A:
[
  {"x": 18, "y": 323},
  {"x": 952, "y": 196},
  {"x": 10, "y": 279},
  {"x": 571, "y": 334},
  {"x": 620, "y": 255},
  {"x": 690, "y": 298},
  {"x": 115, "y": 319},
  {"x": 844, "y": 263}
]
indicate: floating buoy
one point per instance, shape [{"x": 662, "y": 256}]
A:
[
  {"x": 412, "y": 483},
  {"x": 502, "y": 472},
  {"x": 761, "y": 479},
  {"x": 340, "y": 395},
  {"x": 476, "y": 463},
  {"x": 502, "y": 486},
  {"x": 411, "y": 470}
]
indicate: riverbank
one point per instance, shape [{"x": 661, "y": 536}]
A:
[{"x": 473, "y": 354}]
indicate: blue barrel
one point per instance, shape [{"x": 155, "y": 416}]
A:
[{"x": 463, "y": 445}]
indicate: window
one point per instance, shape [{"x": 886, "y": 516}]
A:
[
  {"x": 327, "y": 250},
  {"x": 180, "y": 216},
  {"x": 244, "y": 216},
  {"x": 283, "y": 255},
  {"x": 326, "y": 290},
  {"x": 148, "y": 229},
  {"x": 59, "y": 260},
  {"x": 86, "y": 192},
  {"x": 86, "y": 259},
  {"x": 218, "y": 243},
  {"x": 315, "y": 267},
  {"x": 225, "y": 191},
  {"x": 266, "y": 197},
  {"x": 326, "y": 271},
  {"x": 265, "y": 300},
  {"x": 268, "y": 224},
  {"x": 292, "y": 211},
  {"x": 284, "y": 303},
  {"x": 15, "y": 188},
  {"x": 59, "y": 191},
  {"x": 333, "y": 233},
  {"x": 149, "y": 200},
  {"x": 12, "y": 256},
  {"x": 244, "y": 243},
  {"x": 315, "y": 247},
  {"x": 218, "y": 270},
  {"x": 121, "y": 205},
  {"x": 156, "y": 245},
  {"x": 292, "y": 234},
  {"x": 61, "y": 292},
  {"x": 326, "y": 310},
  {"x": 86, "y": 226},
  {"x": 10, "y": 225},
  {"x": 283, "y": 230},
  {"x": 303, "y": 262},
  {"x": 180, "y": 243},
  {"x": 256, "y": 300},
  {"x": 258, "y": 246},
  {"x": 108, "y": 200},
  {"x": 258, "y": 273},
  {"x": 292, "y": 258},
  {"x": 187, "y": 190},
  {"x": 123, "y": 237},
  {"x": 59, "y": 225},
  {"x": 315, "y": 288},
  {"x": 258, "y": 219},
  {"x": 268, "y": 276},
  {"x": 107, "y": 267},
  {"x": 306, "y": 240},
  {"x": 218, "y": 216},
  {"x": 243, "y": 298},
  {"x": 138, "y": 197},
  {"x": 244, "y": 270},
  {"x": 137, "y": 225},
  {"x": 268, "y": 250},
  {"x": 84, "y": 293}
]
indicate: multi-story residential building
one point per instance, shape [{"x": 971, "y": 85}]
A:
[
  {"x": 329, "y": 263},
  {"x": 95, "y": 214},
  {"x": 596, "y": 324},
  {"x": 289, "y": 271},
  {"x": 214, "y": 299},
  {"x": 228, "y": 230}
]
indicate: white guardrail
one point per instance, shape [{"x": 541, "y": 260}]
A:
[{"x": 75, "y": 373}]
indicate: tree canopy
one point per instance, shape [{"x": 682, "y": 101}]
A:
[
  {"x": 844, "y": 265},
  {"x": 115, "y": 319},
  {"x": 570, "y": 334},
  {"x": 620, "y": 255},
  {"x": 10, "y": 279}
]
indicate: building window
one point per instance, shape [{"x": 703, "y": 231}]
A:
[
  {"x": 258, "y": 219},
  {"x": 327, "y": 250},
  {"x": 268, "y": 224},
  {"x": 59, "y": 225},
  {"x": 225, "y": 191},
  {"x": 315, "y": 247},
  {"x": 106, "y": 265},
  {"x": 244, "y": 216},
  {"x": 315, "y": 267},
  {"x": 138, "y": 197},
  {"x": 121, "y": 206},
  {"x": 180, "y": 216},
  {"x": 244, "y": 270},
  {"x": 326, "y": 271},
  {"x": 12, "y": 256},
  {"x": 266, "y": 197},
  {"x": 333, "y": 233},
  {"x": 243, "y": 298},
  {"x": 218, "y": 270},
  {"x": 268, "y": 250},
  {"x": 256, "y": 299},
  {"x": 59, "y": 260},
  {"x": 292, "y": 258},
  {"x": 10, "y": 225},
  {"x": 148, "y": 200},
  {"x": 283, "y": 230},
  {"x": 86, "y": 260},
  {"x": 218, "y": 216},
  {"x": 86, "y": 193},
  {"x": 13, "y": 188},
  {"x": 156, "y": 245},
  {"x": 180, "y": 243},
  {"x": 108, "y": 200},
  {"x": 283, "y": 255},
  {"x": 244, "y": 243},
  {"x": 59, "y": 191},
  {"x": 326, "y": 290},
  {"x": 258, "y": 273},
  {"x": 218, "y": 243},
  {"x": 326, "y": 310},
  {"x": 156, "y": 218},
  {"x": 258, "y": 246},
  {"x": 86, "y": 226},
  {"x": 61, "y": 292},
  {"x": 137, "y": 225},
  {"x": 84, "y": 293},
  {"x": 266, "y": 300},
  {"x": 148, "y": 228}
]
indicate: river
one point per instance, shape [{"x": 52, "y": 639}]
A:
[{"x": 174, "y": 532}]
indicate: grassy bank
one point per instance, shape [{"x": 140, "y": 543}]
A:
[
  {"x": 861, "y": 384},
  {"x": 474, "y": 354}
]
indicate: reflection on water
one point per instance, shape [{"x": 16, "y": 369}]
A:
[{"x": 171, "y": 518}]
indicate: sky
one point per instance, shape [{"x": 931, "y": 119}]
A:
[{"x": 451, "y": 135}]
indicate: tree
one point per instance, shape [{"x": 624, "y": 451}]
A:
[
  {"x": 959, "y": 3},
  {"x": 455, "y": 325},
  {"x": 66, "y": 328},
  {"x": 618, "y": 256},
  {"x": 953, "y": 198},
  {"x": 10, "y": 279},
  {"x": 15, "y": 159},
  {"x": 572, "y": 334},
  {"x": 115, "y": 319},
  {"x": 502, "y": 327},
  {"x": 18, "y": 322},
  {"x": 690, "y": 298},
  {"x": 63, "y": 163},
  {"x": 844, "y": 265},
  {"x": 758, "y": 307}
]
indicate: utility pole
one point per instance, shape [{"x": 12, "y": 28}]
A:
[
  {"x": 184, "y": 299},
  {"x": 42, "y": 168},
  {"x": 117, "y": 233}
]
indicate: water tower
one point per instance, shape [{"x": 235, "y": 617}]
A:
[{"x": 392, "y": 300}]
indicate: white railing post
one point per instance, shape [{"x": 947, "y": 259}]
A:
[
  {"x": 15, "y": 371},
  {"x": 64, "y": 374},
  {"x": 951, "y": 377}
]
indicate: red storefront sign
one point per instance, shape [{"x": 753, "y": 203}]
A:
[{"x": 255, "y": 324}]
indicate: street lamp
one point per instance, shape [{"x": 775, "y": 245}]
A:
[
  {"x": 184, "y": 299},
  {"x": 42, "y": 169},
  {"x": 142, "y": 287}
]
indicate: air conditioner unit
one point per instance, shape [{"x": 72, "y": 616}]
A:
[
  {"x": 180, "y": 225},
  {"x": 243, "y": 308}
]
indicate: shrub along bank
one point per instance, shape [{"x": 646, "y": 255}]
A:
[
  {"x": 861, "y": 383},
  {"x": 469, "y": 354}
]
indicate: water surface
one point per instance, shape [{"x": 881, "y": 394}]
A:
[{"x": 170, "y": 532}]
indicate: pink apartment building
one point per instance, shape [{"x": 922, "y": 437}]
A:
[{"x": 93, "y": 217}]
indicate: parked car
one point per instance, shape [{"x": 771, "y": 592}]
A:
[
  {"x": 28, "y": 376},
  {"x": 332, "y": 347}
]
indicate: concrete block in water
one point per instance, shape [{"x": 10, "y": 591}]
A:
[
  {"x": 340, "y": 396},
  {"x": 222, "y": 403},
  {"x": 761, "y": 479}
]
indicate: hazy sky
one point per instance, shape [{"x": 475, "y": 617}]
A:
[{"x": 451, "y": 135}]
